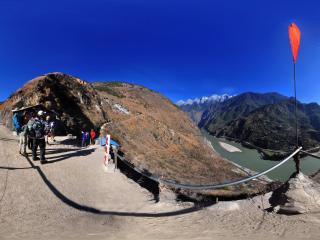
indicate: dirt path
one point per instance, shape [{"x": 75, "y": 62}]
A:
[{"x": 73, "y": 198}]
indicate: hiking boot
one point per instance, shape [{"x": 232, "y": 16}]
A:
[
  {"x": 43, "y": 161},
  {"x": 35, "y": 159}
]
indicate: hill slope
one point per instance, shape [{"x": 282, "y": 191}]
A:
[
  {"x": 154, "y": 133},
  {"x": 158, "y": 136}
]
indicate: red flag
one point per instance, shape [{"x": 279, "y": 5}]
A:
[{"x": 294, "y": 36}]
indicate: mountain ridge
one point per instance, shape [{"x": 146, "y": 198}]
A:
[
  {"x": 264, "y": 120},
  {"x": 238, "y": 106}
]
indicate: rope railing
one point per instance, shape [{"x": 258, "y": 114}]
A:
[{"x": 207, "y": 186}]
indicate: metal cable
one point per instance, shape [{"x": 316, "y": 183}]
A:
[
  {"x": 207, "y": 186},
  {"x": 310, "y": 154},
  {"x": 312, "y": 149}
]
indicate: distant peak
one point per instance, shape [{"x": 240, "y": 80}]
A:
[{"x": 212, "y": 98}]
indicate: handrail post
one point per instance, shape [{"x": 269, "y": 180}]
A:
[
  {"x": 116, "y": 158},
  {"x": 296, "y": 159}
]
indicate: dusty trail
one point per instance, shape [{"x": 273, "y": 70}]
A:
[{"x": 73, "y": 198}]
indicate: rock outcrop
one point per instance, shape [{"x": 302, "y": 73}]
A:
[
  {"x": 75, "y": 101},
  {"x": 299, "y": 195}
]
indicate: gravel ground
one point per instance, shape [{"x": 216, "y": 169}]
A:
[{"x": 72, "y": 197}]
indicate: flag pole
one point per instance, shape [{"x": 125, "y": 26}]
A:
[
  {"x": 296, "y": 157},
  {"x": 295, "y": 104},
  {"x": 294, "y": 37}
]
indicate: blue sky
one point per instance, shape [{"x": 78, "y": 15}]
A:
[{"x": 183, "y": 49}]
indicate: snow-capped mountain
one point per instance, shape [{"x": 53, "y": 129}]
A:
[
  {"x": 211, "y": 99},
  {"x": 196, "y": 107}
]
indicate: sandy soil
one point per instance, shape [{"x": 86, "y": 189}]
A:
[
  {"x": 72, "y": 197},
  {"x": 229, "y": 147}
]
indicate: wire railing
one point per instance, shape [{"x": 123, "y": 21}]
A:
[
  {"x": 211, "y": 185},
  {"x": 310, "y": 154}
]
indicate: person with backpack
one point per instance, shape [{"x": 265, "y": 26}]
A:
[
  {"x": 23, "y": 135},
  {"x": 92, "y": 136},
  {"x": 52, "y": 125},
  {"x": 83, "y": 139},
  {"x": 46, "y": 129},
  {"x": 87, "y": 138},
  {"x": 30, "y": 133},
  {"x": 17, "y": 120},
  {"x": 38, "y": 136}
]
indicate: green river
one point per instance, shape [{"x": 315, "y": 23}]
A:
[{"x": 251, "y": 159}]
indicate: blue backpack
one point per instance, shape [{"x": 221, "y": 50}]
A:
[{"x": 16, "y": 121}]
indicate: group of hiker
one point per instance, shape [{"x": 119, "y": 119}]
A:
[
  {"x": 34, "y": 129},
  {"x": 88, "y": 138}
]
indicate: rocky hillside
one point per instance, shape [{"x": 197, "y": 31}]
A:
[{"x": 154, "y": 133}]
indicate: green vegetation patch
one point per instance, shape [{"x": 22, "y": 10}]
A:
[
  {"x": 114, "y": 84},
  {"x": 109, "y": 90}
]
